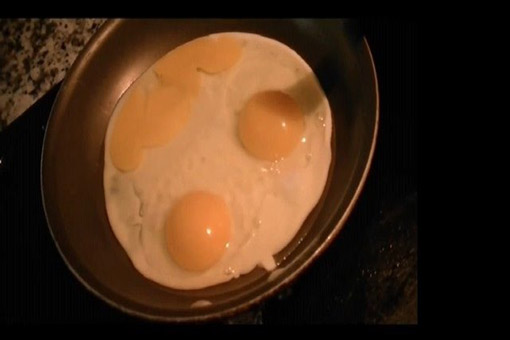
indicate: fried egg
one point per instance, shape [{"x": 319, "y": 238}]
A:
[{"x": 214, "y": 158}]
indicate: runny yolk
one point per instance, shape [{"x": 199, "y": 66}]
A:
[
  {"x": 125, "y": 146},
  {"x": 198, "y": 230},
  {"x": 169, "y": 109},
  {"x": 153, "y": 119},
  {"x": 271, "y": 124}
]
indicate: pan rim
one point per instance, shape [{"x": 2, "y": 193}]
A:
[{"x": 239, "y": 307}]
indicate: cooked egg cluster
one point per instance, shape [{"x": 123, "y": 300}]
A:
[{"x": 214, "y": 158}]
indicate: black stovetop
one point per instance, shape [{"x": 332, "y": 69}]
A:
[{"x": 368, "y": 275}]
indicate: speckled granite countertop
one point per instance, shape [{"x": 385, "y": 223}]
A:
[{"x": 35, "y": 55}]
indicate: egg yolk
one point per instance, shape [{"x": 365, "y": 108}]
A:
[
  {"x": 125, "y": 148},
  {"x": 198, "y": 230},
  {"x": 179, "y": 68},
  {"x": 153, "y": 119},
  {"x": 271, "y": 125},
  {"x": 169, "y": 109}
]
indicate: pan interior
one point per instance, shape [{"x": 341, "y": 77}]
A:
[{"x": 73, "y": 152}]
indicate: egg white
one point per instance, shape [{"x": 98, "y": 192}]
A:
[{"x": 268, "y": 201}]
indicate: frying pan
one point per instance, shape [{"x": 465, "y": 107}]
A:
[{"x": 73, "y": 152}]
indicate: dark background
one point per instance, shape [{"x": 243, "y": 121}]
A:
[{"x": 368, "y": 275}]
